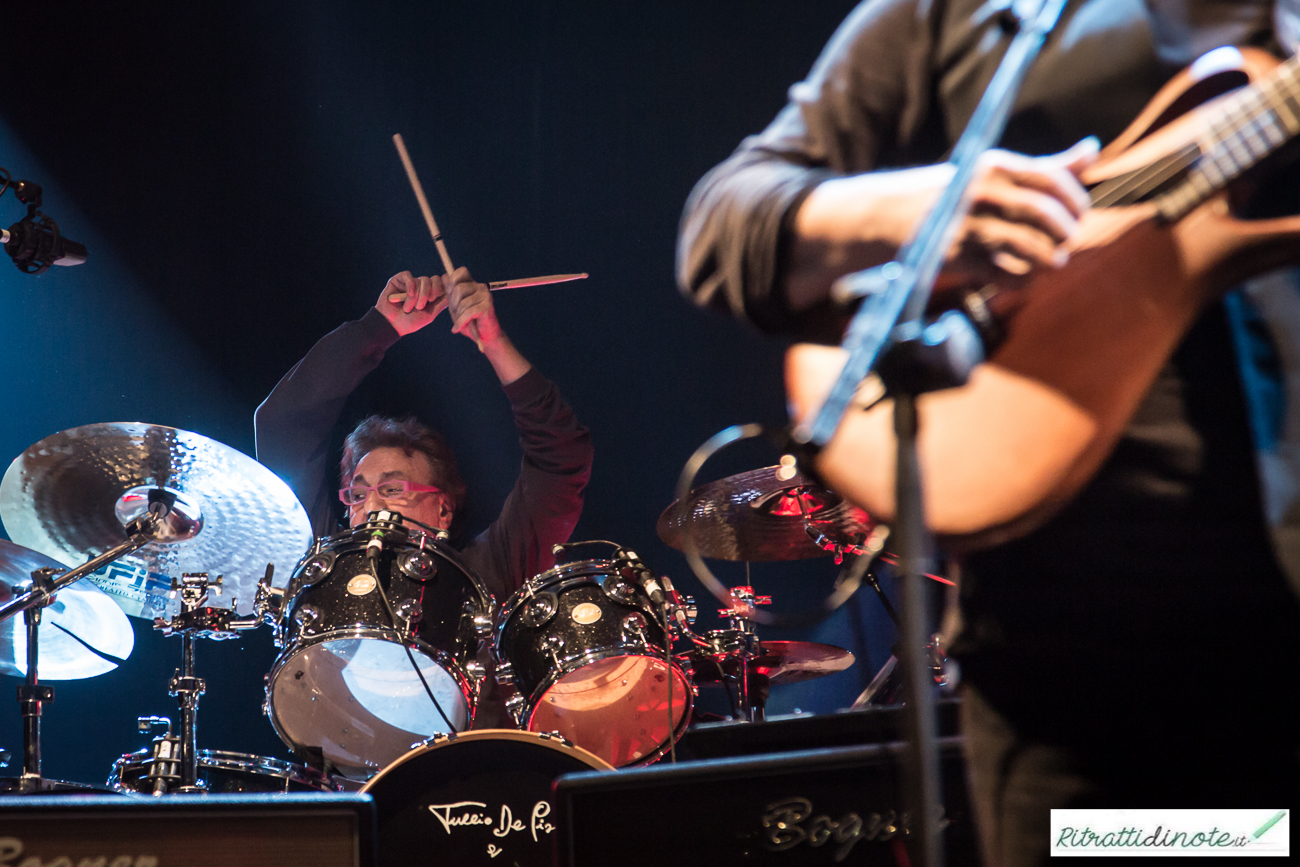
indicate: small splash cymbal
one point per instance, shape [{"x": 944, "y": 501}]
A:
[
  {"x": 780, "y": 661},
  {"x": 71, "y": 495},
  {"x": 769, "y": 514},
  {"x": 81, "y": 620}
]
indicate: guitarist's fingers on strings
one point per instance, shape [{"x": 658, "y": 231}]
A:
[{"x": 1023, "y": 211}]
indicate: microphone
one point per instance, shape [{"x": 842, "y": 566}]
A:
[
  {"x": 375, "y": 546},
  {"x": 34, "y": 242},
  {"x": 644, "y": 577},
  {"x": 679, "y": 612}
]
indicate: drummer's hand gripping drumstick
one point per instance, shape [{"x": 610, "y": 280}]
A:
[
  {"x": 398, "y": 297},
  {"x": 428, "y": 218}
]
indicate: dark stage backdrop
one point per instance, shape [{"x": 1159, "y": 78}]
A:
[{"x": 232, "y": 174}]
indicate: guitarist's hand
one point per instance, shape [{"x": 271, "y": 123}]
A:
[{"x": 1023, "y": 212}]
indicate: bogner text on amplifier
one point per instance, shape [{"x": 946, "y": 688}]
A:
[{"x": 286, "y": 830}]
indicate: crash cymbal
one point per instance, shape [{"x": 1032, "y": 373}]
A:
[
  {"x": 70, "y": 496},
  {"x": 80, "y": 615},
  {"x": 780, "y": 661},
  {"x": 758, "y": 515}
]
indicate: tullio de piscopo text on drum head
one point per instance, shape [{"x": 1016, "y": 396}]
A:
[{"x": 482, "y": 797}]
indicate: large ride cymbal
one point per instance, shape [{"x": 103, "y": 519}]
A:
[
  {"x": 80, "y": 615},
  {"x": 780, "y": 661},
  {"x": 758, "y": 515},
  {"x": 71, "y": 495}
]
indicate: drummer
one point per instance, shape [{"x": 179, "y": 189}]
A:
[{"x": 404, "y": 465}]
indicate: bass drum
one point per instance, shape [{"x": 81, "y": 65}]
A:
[
  {"x": 585, "y": 648},
  {"x": 223, "y": 773},
  {"x": 482, "y": 797},
  {"x": 346, "y": 690}
]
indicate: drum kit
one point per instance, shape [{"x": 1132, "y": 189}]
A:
[{"x": 386, "y": 638}]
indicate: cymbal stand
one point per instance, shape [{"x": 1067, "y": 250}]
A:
[
  {"x": 39, "y": 595},
  {"x": 196, "y": 620},
  {"x": 740, "y": 642}
]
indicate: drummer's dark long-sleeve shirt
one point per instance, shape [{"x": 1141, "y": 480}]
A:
[{"x": 293, "y": 428}]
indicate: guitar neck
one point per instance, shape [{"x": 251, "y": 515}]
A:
[{"x": 1238, "y": 133}]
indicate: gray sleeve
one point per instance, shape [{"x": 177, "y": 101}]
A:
[{"x": 865, "y": 97}]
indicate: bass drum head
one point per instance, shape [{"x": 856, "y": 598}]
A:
[
  {"x": 482, "y": 797},
  {"x": 361, "y": 702}
]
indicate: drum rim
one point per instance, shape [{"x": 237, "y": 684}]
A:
[
  {"x": 534, "y": 586},
  {"x": 470, "y": 689},
  {"x": 546, "y": 739},
  {"x": 281, "y": 768},
  {"x": 291, "y": 771},
  {"x": 357, "y": 535},
  {"x": 487, "y": 603},
  {"x": 557, "y": 573}
]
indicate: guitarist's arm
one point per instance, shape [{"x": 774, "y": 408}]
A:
[{"x": 1023, "y": 210}]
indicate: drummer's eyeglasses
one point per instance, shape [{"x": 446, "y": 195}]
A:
[{"x": 393, "y": 491}]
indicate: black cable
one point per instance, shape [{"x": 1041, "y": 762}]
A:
[
  {"x": 668, "y": 658},
  {"x": 392, "y": 616}
]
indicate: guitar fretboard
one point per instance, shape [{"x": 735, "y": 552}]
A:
[{"x": 1239, "y": 132}]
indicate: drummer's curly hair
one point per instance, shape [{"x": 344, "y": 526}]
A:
[{"x": 410, "y": 435}]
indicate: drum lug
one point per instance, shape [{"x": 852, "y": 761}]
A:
[
  {"x": 505, "y": 674},
  {"x": 306, "y": 616},
  {"x": 409, "y": 611},
  {"x": 618, "y": 589},
  {"x": 475, "y": 670},
  {"x": 691, "y": 609},
  {"x": 539, "y": 609},
  {"x": 555, "y": 736},
  {"x": 316, "y": 568},
  {"x": 418, "y": 565},
  {"x": 482, "y": 625},
  {"x": 634, "y": 627},
  {"x": 553, "y": 644},
  {"x": 515, "y": 707}
]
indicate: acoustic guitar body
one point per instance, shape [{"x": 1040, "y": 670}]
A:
[{"x": 1083, "y": 344}]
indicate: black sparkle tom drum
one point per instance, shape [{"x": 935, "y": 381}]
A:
[
  {"x": 366, "y": 640},
  {"x": 585, "y": 647}
]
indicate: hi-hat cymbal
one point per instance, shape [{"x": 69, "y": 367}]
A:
[
  {"x": 780, "y": 661},
  {"x": 71, "y": 495},
  {"x": 80, "y": 615},
  {"x": 758, "y": 515}
]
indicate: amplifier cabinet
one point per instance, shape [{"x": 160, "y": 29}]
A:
[
  {"x": 840, "y": 805},
  {"x": 284, "y": 830}
]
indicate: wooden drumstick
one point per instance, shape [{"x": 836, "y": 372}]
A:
[
  {"x": 428, "y": 219},
  {"x": 398, "y": 297}
]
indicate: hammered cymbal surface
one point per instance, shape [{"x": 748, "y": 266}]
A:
[
  {"x": 81, "y": 614},
  {"x": 756, "y": 516},
  {"x": 61, "y": 496}
]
